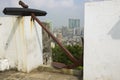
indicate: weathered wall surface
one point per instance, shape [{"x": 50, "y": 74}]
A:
[
  {"x": 21, "y": 42},
  {"x": 102, "y": 40},
  {"x": 47, "y": 51}
]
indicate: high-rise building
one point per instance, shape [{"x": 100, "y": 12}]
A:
[{"x": 74, "y": 23}]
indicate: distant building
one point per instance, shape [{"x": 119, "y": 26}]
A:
[
  {"x": 74, "y": 23},
  {"x": 64, "y": 31},
  {"x": 59, "y": 37},
  {"x": 77, "y": 31}
]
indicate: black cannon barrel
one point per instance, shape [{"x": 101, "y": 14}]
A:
[{"x": 23, "y": 11}]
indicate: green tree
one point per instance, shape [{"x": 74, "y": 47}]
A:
[{"x": 58, "y": 54}]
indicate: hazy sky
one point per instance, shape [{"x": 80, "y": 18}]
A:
[{"x": 59, "y": 11}]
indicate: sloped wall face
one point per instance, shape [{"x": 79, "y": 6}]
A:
[
  {"x": 21, "y": 42},
  {"x": 102, "y": 40}
]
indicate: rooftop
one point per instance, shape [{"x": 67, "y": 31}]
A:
[{"x": 36, "y": 75}]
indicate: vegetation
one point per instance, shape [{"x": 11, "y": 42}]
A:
[{"x": 59, "y": 55}]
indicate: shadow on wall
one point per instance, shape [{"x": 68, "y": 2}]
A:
[
  {"x": 14, "y": 28},
  {"x": 37, "y": 34},
  {"x": 115, "y": 31}
]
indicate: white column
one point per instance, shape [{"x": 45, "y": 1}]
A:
[
  {"x": 21, "y": 43},
  {"x": 102, "y": 40}
]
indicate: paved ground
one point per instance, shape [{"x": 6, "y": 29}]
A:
[{"x": 13, "y": 75}]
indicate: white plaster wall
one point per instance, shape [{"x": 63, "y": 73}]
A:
[
  {"x": 21, "y": 42},
  {"x": 102, "y": 40}
]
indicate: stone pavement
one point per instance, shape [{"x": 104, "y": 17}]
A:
[{"x": 35, "y": 75}]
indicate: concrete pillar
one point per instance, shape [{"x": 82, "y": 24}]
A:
[
  {"x": 21, "y": 42},
  {"x": 102, "y": 40}
]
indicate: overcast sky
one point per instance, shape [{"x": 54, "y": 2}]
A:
[{"x": 59, "y": 11}]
